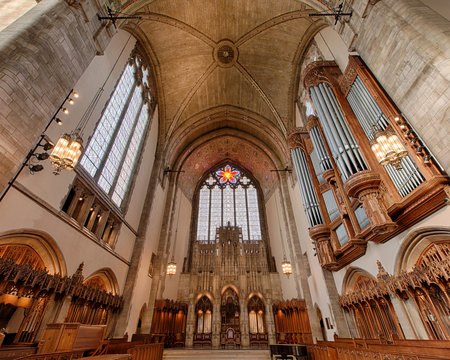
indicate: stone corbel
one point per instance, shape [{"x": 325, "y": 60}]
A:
[{"x": 365, "y": 186}]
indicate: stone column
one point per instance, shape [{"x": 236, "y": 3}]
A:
[
  {"x": 60, "y": 315},
  {"x": 245, "y": 338},
  {"x": 190, "y": 324},
  {"x": 403, "y": 317},
  {"x": 414, "y": 316},
  {"x": 216, "y": 322},
  {"x": 270, "y": 324}
]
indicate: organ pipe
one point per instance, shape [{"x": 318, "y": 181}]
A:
[
  {"x": 317, "y": 141},
  {"x": 310, "y": 201},
  {"x": 342, "y": 143},
  {"x": 369, "y": 116}
]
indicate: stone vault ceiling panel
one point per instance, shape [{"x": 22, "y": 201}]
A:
[
  {"x": 227, "y": 147},
  {"x": 269, "y": 58},
  {"x": 183, "y": 59},
  {"x": 220, "y": 19},
  {"x": 227, "y": 86}
]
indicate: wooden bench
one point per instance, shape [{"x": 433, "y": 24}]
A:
[
  {"x": 63, "y": 355},
  {"x": 59, "y": 337},
  {"x": 147, "y": 352}
]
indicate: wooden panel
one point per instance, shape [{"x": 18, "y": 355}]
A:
[
  {"x": 50, "y": 339},
  {"x": 71, "y": 337},
  {"x": 89, "y": 337},
  {"x": 67, "y": 338}
]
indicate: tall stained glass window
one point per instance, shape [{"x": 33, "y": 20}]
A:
[
  {"x": 112, "y": 153},
  {"x": 228, "y": 196}
]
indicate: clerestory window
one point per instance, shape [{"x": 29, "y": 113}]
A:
[
  {"x": 115, "y": 146},
  {"x": 228, "y": 195}
]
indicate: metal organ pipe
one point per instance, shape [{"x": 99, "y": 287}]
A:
[
  {"x": 330, "y": 135},
  {"x": 351, "y": 146},
  {"x": 369, "y": 114},
  {"x": 337, "y": 132},
  {"x": 310, "y": 201},
  {"x": 317, "y": 141}
]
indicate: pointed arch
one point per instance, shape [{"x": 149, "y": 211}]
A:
[
  {"x": 105, "y": 279},
  {"x": 42, "y": 243},
  {"x": 352, "y": 277},
  {"x": 416, "y": 243}
]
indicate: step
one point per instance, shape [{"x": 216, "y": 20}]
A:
[{"x": 208, "y": 354}]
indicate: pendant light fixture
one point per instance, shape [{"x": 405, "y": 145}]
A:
[
  {"x": 286, "y": 266},
  {"x": 172, "y": 265},
  {"x": 388, "y": 148},
  {"x": 69, "y": 147}
]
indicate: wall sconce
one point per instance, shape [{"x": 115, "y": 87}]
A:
[
  {"x": 72, "y": 153},
  {"x": 388, "y": 148}
]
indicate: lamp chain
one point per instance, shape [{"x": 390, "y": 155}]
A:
[
  {"x": 176, "y": 229},
  {"x": 279, "y": 226},
  {"x": 90, "y": 109}
]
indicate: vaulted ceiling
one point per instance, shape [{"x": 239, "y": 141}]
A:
[{"x": 216, "y": 57}]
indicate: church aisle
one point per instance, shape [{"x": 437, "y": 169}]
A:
[{"x": 185, "y": 354}]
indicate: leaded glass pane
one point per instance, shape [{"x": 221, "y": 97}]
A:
[
  {"x": 227, "y": 202},
  {"x": 241, "y": 211},
  {"x": 120, "y": 142},
  {"x": 228, "y": 206},
  {"x": 130, "y": 157},
  {"x": 203, "y": 214},
  {"x": 216, "y": 211},
  {"x": 95, "y": 151},
  {"x": 253, "y": 214}
]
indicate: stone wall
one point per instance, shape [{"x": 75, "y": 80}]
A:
[
  {"x": 407, "y": 46},
  {"x": 42, "y": 55}
]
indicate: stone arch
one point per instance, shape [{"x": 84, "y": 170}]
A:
[
  {"x": 416, "y": 243},
  {"x": 107, "y": 277},
  {"x": 141, "y": 318},
  {"x": 231, "y": 286},
  {"x": 42, "y": 243},
  {"x": 204, "y": 293},
  {"x": 258, "y": 294},
  {"x": 352, "y": 276}
]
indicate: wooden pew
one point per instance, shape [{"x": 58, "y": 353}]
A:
[
  {"x": 60, "y": 337},
  {"x": 147, "y": 352},
  {"x": 63, "y": 355},
  {"x": 359, "y": 349}
]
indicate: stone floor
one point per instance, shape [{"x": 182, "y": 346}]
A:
[{"x": 196, "y": 354}]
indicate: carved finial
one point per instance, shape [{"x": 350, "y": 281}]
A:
[
  {"x": 382, "y": 273},
  {"x": 79, "y": 273}
]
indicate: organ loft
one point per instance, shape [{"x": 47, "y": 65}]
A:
[{"x": 264, "y": 179}]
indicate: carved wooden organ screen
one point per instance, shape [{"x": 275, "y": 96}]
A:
[
  {"x": 371, "y": 305},
  {"x": 349, "y": 198},
  {"x": 373, "y": 318}
]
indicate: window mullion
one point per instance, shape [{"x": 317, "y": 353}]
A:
[
  {"x": 114, "y": 135},
  {"x": 234, "y": 206},
  {"x": 248, "y": 218},
  {"x": 221, "y": 205},
  {"x": 124, "y": 154},
  {"x": 209, "y": 216}
]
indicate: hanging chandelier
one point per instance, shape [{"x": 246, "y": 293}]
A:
[
  {"x": 286, "y": 267},
  {"x": 172, "y": 267},
  {"x": 66, "y": 152},
  {"x": 388, "y": 148}
]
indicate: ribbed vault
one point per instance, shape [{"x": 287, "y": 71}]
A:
[{"x": 225, "y": 64}]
